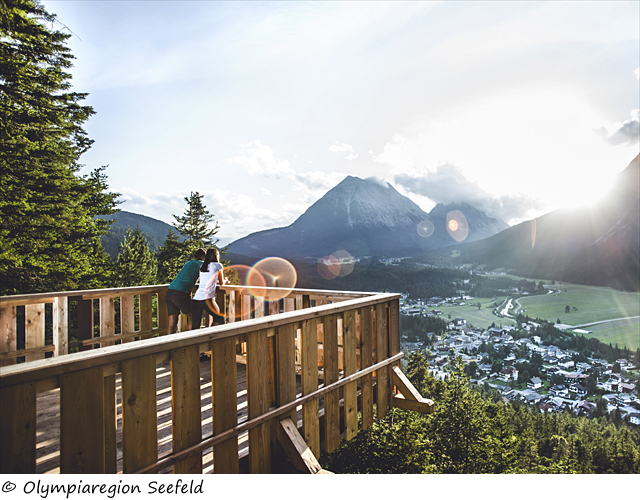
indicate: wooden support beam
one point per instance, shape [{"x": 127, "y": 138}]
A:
[
  {"x": 296, "y": 449},
  {"x": 421, "y": 406},
  {"x": 404, "y": 386},
  {"x": 27, "y": 352}
]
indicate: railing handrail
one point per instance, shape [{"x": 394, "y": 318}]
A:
[
  {"x": 52, "y": 367},
  {"x": 44, "y": 297}
]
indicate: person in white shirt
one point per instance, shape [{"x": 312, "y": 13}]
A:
[{"x": 204, "y": 300}]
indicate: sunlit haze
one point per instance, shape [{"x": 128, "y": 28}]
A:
[{"x": 517, "y": 108}]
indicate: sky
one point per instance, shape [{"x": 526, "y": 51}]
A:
[{"x": 517, "y": 108}]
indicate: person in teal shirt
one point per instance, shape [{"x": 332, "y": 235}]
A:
[{"x": 178, "y": 297}]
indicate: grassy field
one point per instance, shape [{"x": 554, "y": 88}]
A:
[
  {"x": 592, "y": 304},
  {"x": 480, "y": 318}
]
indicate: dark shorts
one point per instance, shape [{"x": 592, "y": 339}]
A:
[{"x": 177, "y": 301}]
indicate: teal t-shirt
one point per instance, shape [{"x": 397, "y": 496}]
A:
[{"x": 187, "y": 276}]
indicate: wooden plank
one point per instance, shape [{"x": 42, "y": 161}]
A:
[
  {"x": 394, "y": 327},
  {"x": 289, "y": 304},
  {"x": 27, "y": 352},
  {"x": 259, "y": 307},
  {"x": 82, "y": 447},
  {"x": 258, "y": 401},
  {"x": 107, "y": 316},
  {"x": 85, "y": 322},
  {"x": 310, "y": 421},
  {"x": 18, "y": 429},
  {"x": 232, "y": 306},
  {"x": 404, "y": 386},
  {"x": 8, "y": 333},
  {"x": 225, "y": 402},
  {"x": 274, "y": 307},
  {"x": 61, "y": 326},
  {"x": 186, "y": 413},
  {"x": 296, "y": 449},
  {"x": 331, "y": 399},
  {"x": 110, "y": 426},
  {"x": 146, "y": 312},
  {"x": 246, "y": 307},
  {"x": 286, "y": 367},
  {"x": 163, "y": 317},
  {"x": 127, "y": 316},
  {"x": 366, "y": 360},
  {"x": 421, "y": 406},
  {"x": 34, "y": 329},
  {"x": 382, "y": 375},
  {"x": 139, "y": 413},
  {"x": 351, "y": 389}
]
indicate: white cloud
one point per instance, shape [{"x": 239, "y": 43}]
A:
[
  {"x": 626, "y": 133},
  {"x": 266, "y": 192},
  {"x": 637, "y": 73},
  {"x": 259, "y": 159},
  {"x": 340, "y": 147}
]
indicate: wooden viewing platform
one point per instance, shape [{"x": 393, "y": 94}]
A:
[{"x": 284, "y": 381}]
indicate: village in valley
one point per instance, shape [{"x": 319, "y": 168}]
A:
[{"x": 517, "y": 365}]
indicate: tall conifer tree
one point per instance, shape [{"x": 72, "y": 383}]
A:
[
  {"x": 136, "y": 265},
  {"x": 48, "y": 238}
]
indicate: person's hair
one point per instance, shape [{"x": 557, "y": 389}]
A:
[
  {"x": 200, "y": 254},
  {"x": 212, "y": 256}
]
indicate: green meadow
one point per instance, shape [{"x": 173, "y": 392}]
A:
[
  {"x": 482, "y": 318},
  {"x": 589, "y": 304}
]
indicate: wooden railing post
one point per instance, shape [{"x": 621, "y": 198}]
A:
[
  {"x": 8, "y": 333},
  {"x": 61, "y": 326},
  {"x": 186, "y": 412},
  {"x": 310, "y": 422},
  {"x": 366, "y": 360},
  {"x": 332, "y": 399},
  {"x": 225, "y": 403},
  {"x": 18, "y": 429},
  {"x": 82, "y": 436},
  {"x": 34, "y": 329},
  {"x": 351, "y": 389},
  {"x": 382, "y": 351},
  {"x": 258, "y": 401}
]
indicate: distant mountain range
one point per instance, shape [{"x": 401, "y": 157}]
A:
[
  {"x": 596, "y": 245},
  {"x": 368, "y": 218},
  {"x": 154, "y": 230}
]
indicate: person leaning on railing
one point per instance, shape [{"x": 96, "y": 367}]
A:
[
  {"x": 178, "y": 296},
  {"x": 204, "y": 300}
]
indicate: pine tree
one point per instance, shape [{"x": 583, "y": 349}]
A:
[
  {"x": 171, "y": 257},
  {"x": 194, "y": 224},
  {"x": 136, "y": 265},
  {"x": 48, "y": 238}
]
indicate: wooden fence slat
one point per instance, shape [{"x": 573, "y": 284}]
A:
[
  {"x": 85, "y": 322},
  {"x": 259, "y": 307},
  {"x": 310, "y": 421},
  {"x": 186, "y": 412},
  {"x": 225, "y": 401},
  {"x": 110, "y": 426},
  {"x": 366, "y": 361},
  {"x": 8, "y": 333},
  {"x": 258, "y": 401},
  {"x": 139, "y": 413},
  {"x": 146, "y": 312},
  {"x": 82, "y": 447},
  {"x": 286, "y": 367},
  {"x": 394, "y": 327},
  {"x": 382, "y": 375},
  {"x": 127, "y": 316},
  {"x": 18, "y": 429},
  {"x": 61, "y": 326},
  {"x": 34, "y": 329},
  {"x": 163, "y": 317},
  {"x": 351, "y": 389},
  {"x": 107, "y": 319},
  {"x": 332, "y": 399},
  {"x": 232, "y": 306}
]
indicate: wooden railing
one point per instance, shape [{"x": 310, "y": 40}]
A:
[{"x": 333, "y": 348}]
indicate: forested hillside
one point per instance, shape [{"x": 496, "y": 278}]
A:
[{"x": 474, "y": 432}]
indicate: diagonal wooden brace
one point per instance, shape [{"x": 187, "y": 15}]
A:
[
  {"x": 296, "y": 449},
  {"x": 409, "y": 398}
]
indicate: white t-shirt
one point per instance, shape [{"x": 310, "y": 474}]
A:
[{"x": 208, "y": 282}]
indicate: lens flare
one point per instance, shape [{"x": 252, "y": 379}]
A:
[
  {"x": 340, "y": 263},
  {"x": 272, "y": 272},
  {"x": 328, "y": 267},
  {"x": 457, "y": 225},
  {"x": 425, "y": 228}
]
